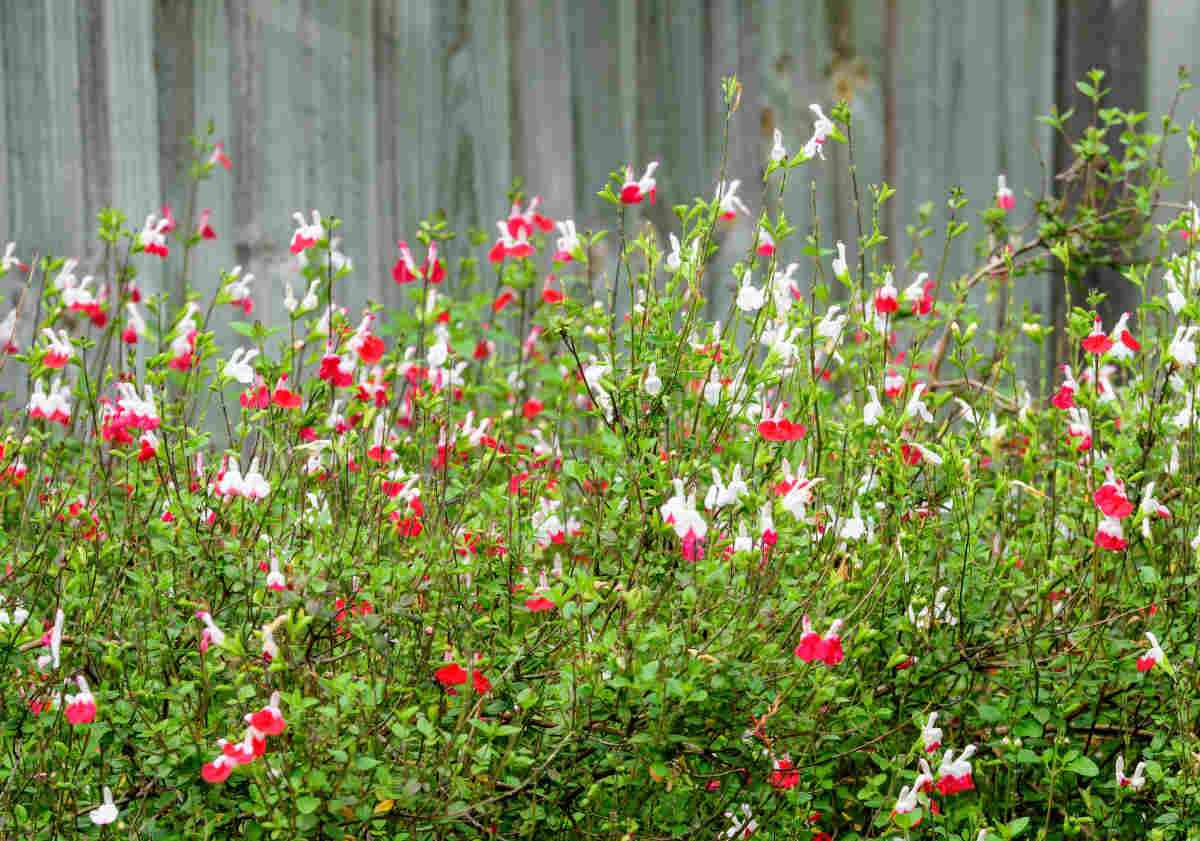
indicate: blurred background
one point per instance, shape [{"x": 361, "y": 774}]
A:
[{"x": 382, "y": 112}]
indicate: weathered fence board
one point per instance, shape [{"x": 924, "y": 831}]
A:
[{"x": 385, "y": 111}]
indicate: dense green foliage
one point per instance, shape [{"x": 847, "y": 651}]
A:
[{"x": 548, "y": 571}]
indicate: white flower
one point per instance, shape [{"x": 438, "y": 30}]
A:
[
  {"x": 854, "y": 528},
  {"x": 750, "y": 298},
  {"x": 743, "y": 541},
  {"x": 653, "y": 384},
  {"x": 830, "y": 326},
  {"x": 778, "y": 152},
  {"x": 107, "y": 813},
  {"x": 1136, "y": 781},
  {"x": 239, "y": 368},
  {"x": 741, "y": 827},
  {"x": 917, "y": 406},
  {"x": 712, "y": 388},
  {"x": 1175, "y": 298},
  {"x": 679, "y": 256},
  {"x": 1183, "y": 347},
  {"x": 840, "y": 267},
  {"x": 782, "y": 286}
]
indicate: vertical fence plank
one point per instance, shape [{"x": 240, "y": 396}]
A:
[
  {"x": 795, "y": 58},
  {"x": 1171, "y": 45},
  {"x": 44, "y": 158},
  {"x": 95, "y": 119},
  {"x": 1110, "y": 35},
  {"x": 602, "y": 101},
  {"x": 133, "y": 107},
  {"x": 474, "y": 151},
  {"x": 543, "y": 130}
]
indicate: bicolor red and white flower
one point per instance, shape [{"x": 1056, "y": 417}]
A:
[
  {"x": 135, "y": 325},
  {"x": 53, "y": 639},
  {"x": 775, "y": 427},
  {"x": 1065, "y": 397},
  {"x": 766, "y": 243},
  {"x": 240, "y": 294},
  {"x": 1109, "y": 535},
  {"x": 1004, "y": 196},
  {"x": 528, "y": 220},
  {"x": 567, "y": 245},
  {"x": 307, "y": 234},
  {"x": 1149, "y": 507},
  {"x": 1124, "y": 345},
  {"x": 211, "y": 635},
  {"x": 9, "y": 260},
  {"x": 80, "y": 708},
  {"x": 954, "y": 774},
  {"x": 204, "y": 228},
  {"x": 1152, "y": 657},
  {"x": 153, "y": 237},
  {"x": 886, "y": 296},
  {"x": 1111, "y": 498},
  {"x": 268, "y": 720},
  {"x": 920, "y": 294},
  {"x": 507, "y": 245},
  {"x": 822, "y": 128},
  {"x": 813, "y": 647},
  {"x": 1080, "y": 427},
  {"x": 1137, "y": 781},
  {"x": 632, "y": 192},
  {"x": 728, "y": 200},
  {"x": 931, "y": 735},
  {"x": 58, "y": 349},
  {"x": 432, "y": 270},
  {"x": 1097, "y": 341},
  {"x": 218, "y": 157}
]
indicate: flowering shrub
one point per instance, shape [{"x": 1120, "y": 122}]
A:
[{"x": 509, "y": 563}]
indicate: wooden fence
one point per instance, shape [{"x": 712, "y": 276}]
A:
[{"x": 384, "y": 111}]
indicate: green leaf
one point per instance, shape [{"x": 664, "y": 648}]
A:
[
  {"x": 1017, "y": 826},
  {"x": 1083, "y": 766},
  {"x": 989, "y": 713},
  {"x": 307, "y": 804}
]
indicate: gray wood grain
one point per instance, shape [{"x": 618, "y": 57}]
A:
[{"x": 386, "y": 111}]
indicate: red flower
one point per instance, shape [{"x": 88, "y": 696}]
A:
[
  {"x": 784, "y": 776},
  {"x": 218, "y": 156},
  {"x": 283, "y": 398},
  {"x": 549, "y": 295},
  {"x": 1110, "y": 498},
  {"x": 538, "y": 604},
  {"x": 482, "y": 685},
  {"x": 451, "y": 675},
  {"x": 372, "y": 349},
  {"x": 1097, "y": 342},
  {"x": 270, "y": 718},
  {"x": 532, "y": 408},
  {"x": 406, "y": 270},
  {"x": 203, "y": 229},
  {"x": 504, "y": 300},
  {"x": 218, "y": 770}
]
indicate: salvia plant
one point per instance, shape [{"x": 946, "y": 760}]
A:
[{"x": 518, "y": 560}]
